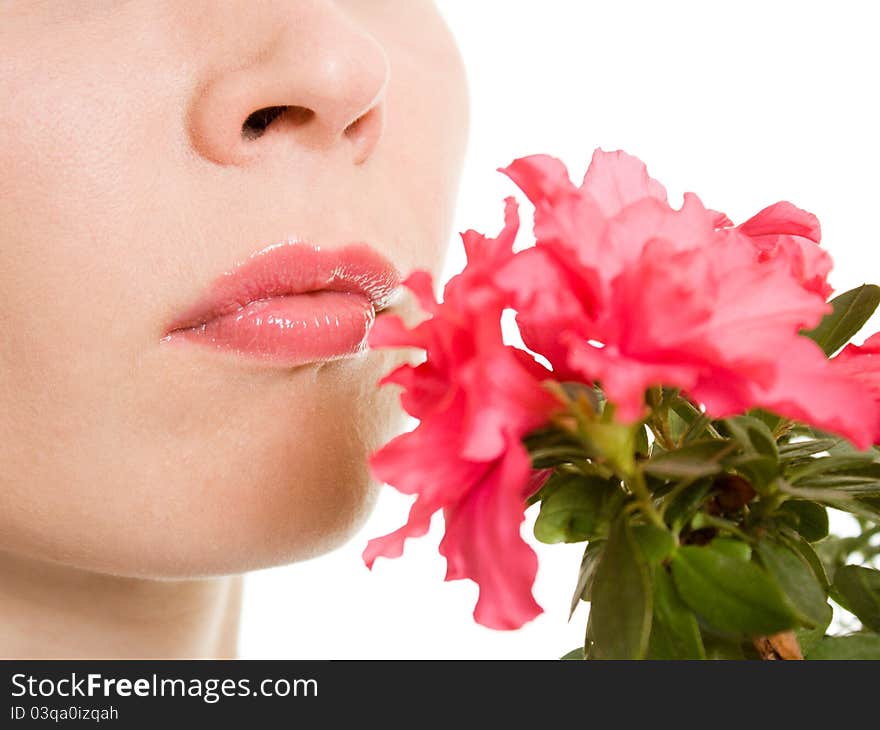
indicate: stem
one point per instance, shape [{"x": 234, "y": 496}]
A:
[
  {"x": 636, "y": 484},
  {"x": 767, "y": 505},
  {"x": 573, "y": 409},
  {"x": 657, "y": 435},
  {"x": 685, "y": 483},
  {"x": 698, "y": 424},
  {"x": 696, "y": 412},
  {"x": 587, "y": 637},
  {"x": 670, "y": 496},
  {"x": 659, "y": 422},
  {"x": 726, "y": 525},
  {"x": 783, "y": 645},
  {"x": 782, "y": 428}
]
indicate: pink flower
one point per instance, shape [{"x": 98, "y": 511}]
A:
[
  {"x": 624, "y": 289},
  {"x": 785, "y": 232},
  {"x": 620, "y": 288},
  {"x": 475, "y": 398},
  {"x": 862, "y": 364}
]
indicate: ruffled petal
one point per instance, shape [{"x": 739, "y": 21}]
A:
[
  {"x": 783, "y": 218},
  {"x": 861, "y": 364},
  {"x": 389, "y": 330},
  {"x": 810, "y": 389},
  {"x": 518, "y": 407},
  {"x": 421, "y": 283},
  {"x": 544, "y": 179},
  {"x": 483, "y": 543},
  {"x": 615, "y": 180},
  {"x": 782, "y": 232}
]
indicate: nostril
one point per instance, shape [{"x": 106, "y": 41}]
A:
[{"x": 255, "y": 125}]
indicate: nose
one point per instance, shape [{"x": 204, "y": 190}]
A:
[{"x": 318, "y": 81}]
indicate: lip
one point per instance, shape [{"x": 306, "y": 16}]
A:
[{"x": 292, "y": 303}]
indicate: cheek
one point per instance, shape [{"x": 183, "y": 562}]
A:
[{"x": 426, "y": 137}]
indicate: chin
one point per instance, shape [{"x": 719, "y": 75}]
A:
[
  {"x": 294, "y": 501},
  {"x": 234, "y": 527},
  {"x": 274, "y": 472}
]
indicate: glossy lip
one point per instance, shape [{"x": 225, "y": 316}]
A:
[{"x": 293, "y": 302}]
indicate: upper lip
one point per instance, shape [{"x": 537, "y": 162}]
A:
[{"x": 295, "y": 267}]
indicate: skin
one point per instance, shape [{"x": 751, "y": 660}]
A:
[{"x": 138, "y": 481}]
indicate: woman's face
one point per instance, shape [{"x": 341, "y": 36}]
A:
[{"x": 128, "y": 183}]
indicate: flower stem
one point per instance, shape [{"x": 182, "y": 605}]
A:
[
  {"x": 573, "y": 410},
  {"x": 636, "y": 483},
  {"x": 727, "y": 525}
]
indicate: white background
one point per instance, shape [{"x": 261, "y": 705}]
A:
[{"x": 744, "y": 103}]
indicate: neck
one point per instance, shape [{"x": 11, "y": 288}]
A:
[{"x": 52, "y": 611}]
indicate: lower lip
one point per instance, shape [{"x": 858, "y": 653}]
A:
[{"x": 290, "y": 330}]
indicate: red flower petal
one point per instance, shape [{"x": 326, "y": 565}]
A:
[
  {"x": 615, "y": 180},
  {"x": 783, "y": 218},
  {"x": 784, "y": 232},
  {"x": 811, "y": 389},
  {"x": 483, "y": 543}
]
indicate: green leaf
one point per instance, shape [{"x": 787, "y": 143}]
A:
[
  {"x": 810, "y": 519},
  {"x": 851, "y": 310},
  {"x": 620, "y": 610},
  {"x": 552, "y": 446},
  {"x": 770, "y": 420},
  {"x": 833, "y": 552},
  {"x": 870, "y": 507},
  {"x": 848, "y": 485},
  {"x": 854, "y": 646},
  {"x": 696, "y": 429},
  {"x": 574, "y": 654},
  {"x": 843, "y": 446},
  {"x": 614, "y": 440},
  {"x": 860, "y": 590},
  {"x": 831, "y": 497},
  {"x": 753, "y": 434},
  {"x": 804, "y": 449},
  {"x": 865, "y": 508},
  {"x": 864, "y": 463},
  {"x": 686, "y": 421},
  {"x": 655, "y": 543},
  {"x": 797, "y": 580},
  {"x": 733, "y": 597},
  {"x": 642, "y": 446},
  {"x": 846, "y": 499},
  {"x": 685, "y": 504},
  {"x": 551, "y": 456},
  {"x": 697, "y": 459},
  {"x": 674, "y": 630},
  {"x": 808, "y": 552},
  {"x": 687, "y": 413},
  {"x": 733, "y": 548},
  {"x": 808, "y": 638},
  {"x": 758, "y": 469},
  {"x": 587, "y": 572},
  {"x": 678, "y": 426},
  {"x": 722, "y": 649},
  {"x": 573, "y": 510}
]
